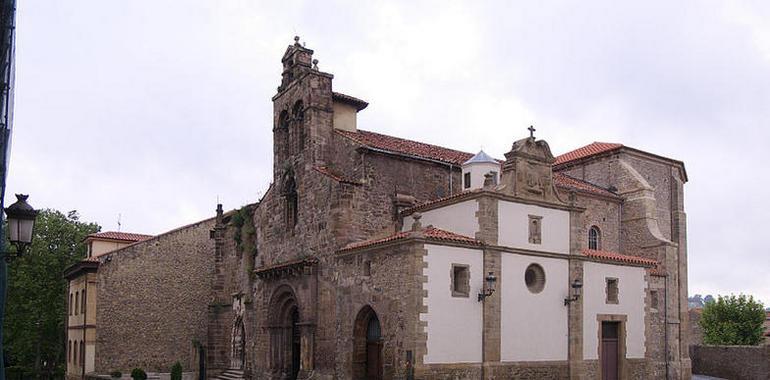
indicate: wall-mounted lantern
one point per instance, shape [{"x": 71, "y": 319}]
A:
[
  {"x": 489, "y": 288},
  {"x": 21, "y": 223},
  {"x": 577, "y": 286}
]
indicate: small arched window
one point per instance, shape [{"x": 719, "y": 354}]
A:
[
  {"x": 69, "y": 308},
  {"x": 292, "y": 200},
  {"x": 298, "y": 114},
  {"x": 69, "y": 351},
  {"x": 83, "y": 302},
  {"x": 594, "y": 238},
  {"x": 77, "y": 302},
  {"x": 75, "y": 354},
  {"x": 82, "y": 353}
]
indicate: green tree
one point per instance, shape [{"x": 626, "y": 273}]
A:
[
  {"x": 733, "y": 320},
  {"x": 176, "y": 371},
  {"x": 36, "y": 305}
]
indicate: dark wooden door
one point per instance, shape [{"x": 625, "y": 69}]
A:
[
  {"x": 610, "y": 350},
  {"x": 373, "y": 361}
]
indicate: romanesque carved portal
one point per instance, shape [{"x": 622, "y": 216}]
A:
[
  {"x": 285, "y": 335},
  {"x": 367, "y": 346}
]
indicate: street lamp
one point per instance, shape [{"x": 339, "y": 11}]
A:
[
  {"x": 577, "y": 286},
  {"x": 490, "y": 288},
  {"x": 21, "y": 221}
]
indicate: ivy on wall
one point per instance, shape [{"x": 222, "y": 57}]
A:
[{"x": 245, "y": 234}]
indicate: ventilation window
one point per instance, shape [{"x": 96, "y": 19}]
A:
[
  {"x": 367, "y": 268},
  {"x": 612, "y": 290},
  {"x": 654, "y": 300},
  {"x": 594, "y": 238},
  {"x": 535, "y": 225},
  {"x": 467, "y": 180},
  {"x": 534, "y": 277},
  {"x": 461, "y": 280}
]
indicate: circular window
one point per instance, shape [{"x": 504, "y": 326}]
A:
[{"x": 534, "y": 277}]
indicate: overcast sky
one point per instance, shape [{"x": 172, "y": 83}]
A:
[{"x": 154, "y": 109}]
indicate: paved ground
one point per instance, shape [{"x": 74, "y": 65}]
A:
[{"x": 704, "y": 377}]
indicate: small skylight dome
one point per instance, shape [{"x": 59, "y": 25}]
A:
[{"x": 481, "y": 157}]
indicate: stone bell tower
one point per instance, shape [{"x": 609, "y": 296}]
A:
[
  {"x": 527, "y": 170},
  {"x": 302, "y": 114}
]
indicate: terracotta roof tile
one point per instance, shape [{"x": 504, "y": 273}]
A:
[
  {"x": 353, "y": 101},
  {"x": 409, "y": 147},
  {"x": 125, "y": 236},
  {"x": 571, "y": 183},
  {"x": 586, "y": 151},
  {"x": 429, "y": 233},
  {"x": 617, "y": 257}
]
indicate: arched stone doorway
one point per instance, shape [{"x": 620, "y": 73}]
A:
[
  {"x": 367, "y": 345},
  {"x": 285, "y": 352}
]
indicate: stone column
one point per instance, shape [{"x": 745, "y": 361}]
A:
[
  {"x": 307, "y": 344},
  {"x": 575, "y": 311}
]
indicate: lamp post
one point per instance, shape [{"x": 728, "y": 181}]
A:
[
  {"x": 489, "y": 288},
  {"x": 577, "y": 286},
  {"x": 21, "y": 222}
]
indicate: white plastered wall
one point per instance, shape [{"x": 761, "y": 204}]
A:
[
  {"x": 454, "y": 323},
  {"x": 514, "y": 227},
  {"x": 533, "y": 327},
  {"x": 459, "y": 218},
  {"x": 631, "y": 295},
  {"x": 478, "y": 171},
  {"x": 344, "y": 117}
]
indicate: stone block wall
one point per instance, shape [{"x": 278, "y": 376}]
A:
[
  {"x": 152, "y": 301},
  {"x": 732, "y": 362}
]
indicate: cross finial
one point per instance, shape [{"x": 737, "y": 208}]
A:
[{"x": 531, "y": 130}]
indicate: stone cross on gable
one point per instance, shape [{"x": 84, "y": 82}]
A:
[{"x": 531, "y": 130}]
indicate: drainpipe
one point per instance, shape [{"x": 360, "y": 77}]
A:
[
  {"x": 85, "y": 315},
  {"x": 665, "y": 322}
]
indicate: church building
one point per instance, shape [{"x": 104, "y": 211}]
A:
[{"x": 377, "y": 257}]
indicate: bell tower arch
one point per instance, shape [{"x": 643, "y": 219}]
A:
[{"x": 302, "y": 113}]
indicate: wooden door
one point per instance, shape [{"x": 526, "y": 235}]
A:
[
  {"x": 373, "y": 361},
  {"x": 610, "y": 350}
]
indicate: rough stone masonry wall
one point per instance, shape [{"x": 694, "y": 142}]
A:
[
  {"x": 732, "y": 362},
  {"x": 383, "y": 176},
  {"x": 152, "y": 301},
  {"x": 393, "y": 289},
  {"x": 602, "y": 213}
]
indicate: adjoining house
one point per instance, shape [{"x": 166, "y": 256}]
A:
[
  {"x": 377, "y": 257},
  {"x": 82, "y": 284}
]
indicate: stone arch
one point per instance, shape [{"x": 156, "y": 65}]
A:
[
  {"x": 284, "y": 333},
  {"x": 367, "y": 345}
]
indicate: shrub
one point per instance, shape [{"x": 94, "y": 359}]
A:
[
  {"x": 176, "y": 371},
  {"x": 138, "y": 374},
  {"x": 116, "y": 374},
  {"x": 732, "y": 320}
]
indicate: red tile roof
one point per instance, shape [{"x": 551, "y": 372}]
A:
[
  {"x": 430, "y": 233},
  {"x": 586, "y": 151},
  {"x": 408, "y": 147},
  {"x": 455, "y": 157},
  {"x": 617, "y": 257},
  {"x": 125, "y": 236},
  {"x": 571, "y": 183},
  {"x": 353, "y": 101}
]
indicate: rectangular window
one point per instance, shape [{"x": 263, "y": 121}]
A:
[
  {"x": 367, "y": 268},
  {"x": 83, "y": 302},
  {"x": 535, "y": 227},
  {"x": 461, "y": 280},
  {"x": 654, "y": 300},
  {"x": 467, "y": 180},
  {"x": 612, "y": 290}
]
